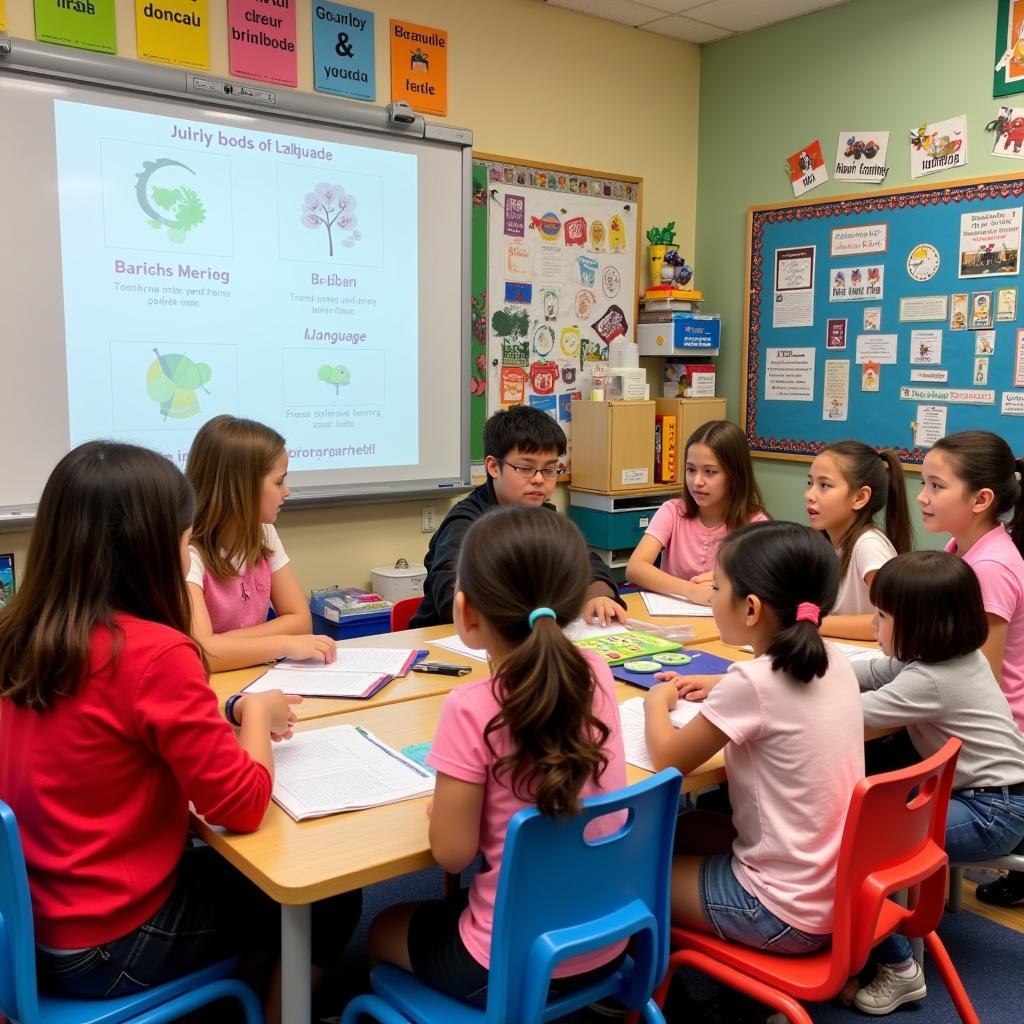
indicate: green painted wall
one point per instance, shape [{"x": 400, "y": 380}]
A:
[{"x": 868, "y": 65}]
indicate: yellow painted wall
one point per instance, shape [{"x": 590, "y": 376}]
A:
[{"x": 532, "y": 82}]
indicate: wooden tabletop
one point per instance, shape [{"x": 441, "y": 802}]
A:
[
  {"x": 416, "y": 685},
  {"x": 299, "y": 862}
]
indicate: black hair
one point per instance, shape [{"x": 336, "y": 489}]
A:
[
  {"x": 934, "y": 599},
  {"x": 524, "y": 428},
  {"x": 785, "y": 565}
]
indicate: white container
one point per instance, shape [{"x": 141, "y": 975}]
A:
[
  {"x": 623, "y": 352},
  {"x": 625, "y": 384},
  {"x": 396, "y": 584}
]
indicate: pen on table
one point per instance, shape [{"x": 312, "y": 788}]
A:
[{"x": 441, "y": 669}]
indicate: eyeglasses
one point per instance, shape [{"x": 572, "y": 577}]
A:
[{"x": 551, "y": 472}]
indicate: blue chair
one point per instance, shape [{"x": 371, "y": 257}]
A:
[
  {"x": 560, "y": 896},
  {"x": 21, "y": 1001}
]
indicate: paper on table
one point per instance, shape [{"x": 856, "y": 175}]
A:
[
  {"x": 342, "y": 768},
  {"x": 634, "y": 741},
  {"x": 323, "y": 684},
  {"x": 855, "y": 653},
  {"x": 578, "y": 629},
  {"x": 664, "y": 604},
  {"x": 381, "y": 661}
]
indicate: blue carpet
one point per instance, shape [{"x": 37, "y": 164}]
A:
[{"x": 989, "y": 958}]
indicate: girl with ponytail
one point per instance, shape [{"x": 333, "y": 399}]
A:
[
  {"x": 791, "y": 725},
  {"x": 542, "y": 731},
  {"x": 848, "y": 485}
]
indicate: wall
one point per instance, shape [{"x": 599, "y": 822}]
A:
[
  {"x": 516, "y": 73},
  {"x": 869, "y": 64}
]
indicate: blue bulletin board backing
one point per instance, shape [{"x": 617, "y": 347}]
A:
[{"x": 919, "y": 221}]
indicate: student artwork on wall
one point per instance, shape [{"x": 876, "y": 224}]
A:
[
  {"x": 914, "y": 301},
  {"x": 1008, "y": 76},
  {"x": 562, "y": 280}
]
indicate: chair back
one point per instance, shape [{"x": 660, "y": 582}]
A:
[
  {"x": 18, "y": 997},
  {"x": 894, "y": 839},
  {"x": 561, "y": 895},
  {"x": 402, "y": 611}
]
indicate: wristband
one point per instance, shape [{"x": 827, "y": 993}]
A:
[{"x": 229, "y": 709}]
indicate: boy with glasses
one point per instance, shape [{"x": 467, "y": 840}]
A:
[{"x": 522, "y": 449}]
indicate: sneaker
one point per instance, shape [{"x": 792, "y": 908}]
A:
[
  {"x": 889, "y": 990},
  {"x": 1003, "y": 892}
]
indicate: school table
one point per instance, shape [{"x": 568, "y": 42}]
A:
[
  {"x": 297, "y": 863},
  {"x": 415, "y": 684}
]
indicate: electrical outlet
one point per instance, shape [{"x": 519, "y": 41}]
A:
[{"x": 428, "y": 519}]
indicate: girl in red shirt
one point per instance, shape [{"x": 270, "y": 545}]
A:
[{"x": 108, "y": 729}]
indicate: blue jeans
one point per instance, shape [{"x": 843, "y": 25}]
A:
[
  {"x": 737, "y": 916},
  {"x": 979, "y": 826}
]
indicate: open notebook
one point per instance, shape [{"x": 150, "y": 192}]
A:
[
  {"x": 357, "y": 673},
  {"x": 343, "y": 768},
  {"x": 667, "y": 604}
]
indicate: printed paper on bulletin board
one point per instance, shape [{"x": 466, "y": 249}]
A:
[
  {"x": 920, "y": 299},
  {"x": 562, "y": 273}
]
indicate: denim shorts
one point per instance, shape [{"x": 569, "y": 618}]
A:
[
  {"x": 980, "y": 826},
  {"x": 736, "y": 916}
]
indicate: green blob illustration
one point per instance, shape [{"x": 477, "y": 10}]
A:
[
  {"x": 339, "y": 376},
  {"x": 179, "y": 209},
  {"x": 173, "y": 380}
]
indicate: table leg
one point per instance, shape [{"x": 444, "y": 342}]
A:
[{"x": 296, "y": 990}]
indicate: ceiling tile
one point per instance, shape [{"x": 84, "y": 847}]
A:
[
  {"x": 687, "y": 29},
  {"x": 745, "y": 15},
  {"x": 625, "y": 12}
]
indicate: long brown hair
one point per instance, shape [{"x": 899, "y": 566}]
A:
[
  {"x": 882, "y": 471},
  {"x": 982, "y": 459},
  {"x": 729, "y": 445},
  {"x": 512, "y": 561},
  {"x": 226, "y": 465},
  {"x": 106, "y": 540}
]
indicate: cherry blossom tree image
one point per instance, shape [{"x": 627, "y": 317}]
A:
[{"x": 331, "y": 207}]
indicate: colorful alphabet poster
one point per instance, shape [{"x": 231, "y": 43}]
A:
[
  {"x": 87, "y": 24},
  {"x": 419, "y": 67},
  {"x": 261, "y": 40},
  {"x": 343, "y": 54},
  {"x": 173, "y": 32}
]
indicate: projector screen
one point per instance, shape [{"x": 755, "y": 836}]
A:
[{"x": 167, "y": 261}]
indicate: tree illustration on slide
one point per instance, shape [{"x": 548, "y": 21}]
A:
[
  {"x": 332, "y": 208},
  {"x": 338, "y": 375},
  {"x": 173, "y": 380},
  {"x": 177, "y": 209}
]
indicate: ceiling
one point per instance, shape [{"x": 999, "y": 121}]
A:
[{"x": 696, "y": 21}]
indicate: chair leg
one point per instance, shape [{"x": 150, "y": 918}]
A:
[
  {"x": 951, "y": 979},
  {"x": 956, "y": 887},
  {"x": 373, "y": 1007}
]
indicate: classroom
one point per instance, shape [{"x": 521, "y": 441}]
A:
[{"x": 719, "y": 116}]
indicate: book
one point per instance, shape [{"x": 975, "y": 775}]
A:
[
  {"x": 357, "y": 673},
  {"x": 342, "y": 768},
  {"x": 664, "y": 448},
  {"x": 700, "y": 380},
  {"x": 625, "y": 646}
]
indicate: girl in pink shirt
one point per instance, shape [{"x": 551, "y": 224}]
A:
[
  {"x": 720, "y": 495},
  {"x": 543, "y": 731},
  {"x": 238, "y": 568},
  {"x": 791, "y": 724},
  {"x": 969, "y": 482},
  {"x": 849, "y": 483}
]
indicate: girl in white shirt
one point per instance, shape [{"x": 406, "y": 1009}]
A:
[{"x": 848, "y": 485}]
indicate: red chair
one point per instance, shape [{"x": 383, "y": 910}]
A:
[
  {"x": 893, "y": 840},
  {"x": 402, "y": 611}
]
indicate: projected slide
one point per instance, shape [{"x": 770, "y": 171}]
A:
[{"x": 210, "y": 269}]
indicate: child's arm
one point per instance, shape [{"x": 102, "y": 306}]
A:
[
  {"x": 687, "y": 748},
  {"x": 911, "y": 695},
  {"x": 995, "y": 644},
  {"x": 263, "y": 717},
  {"x": 455, "y": 822},
  {"x": 226, "y": 651},
  {"x": 851, "y": 627},
  {"x": 291, "y": 610},
  {"x": 642, "y": 571}
]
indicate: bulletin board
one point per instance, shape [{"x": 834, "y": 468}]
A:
[
  {"x": 562, "y": 276},
  {"x": 893, "y": 317}
]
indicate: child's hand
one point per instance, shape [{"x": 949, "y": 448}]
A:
[
  {"x": 604, "y": 611},
  {"x": 430, "y": 807},
  {"x": 700, "y": 589},
  {"x": 702, "y": 577},
  {"x": 302, "y": 648},
  {"x": 278, "y": 706},
  {"x": 663, "y": 695}
]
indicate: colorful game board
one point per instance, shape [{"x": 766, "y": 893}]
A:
[
  {"x": 700, "y": 664},
  {"x": 620, "y": 647}
]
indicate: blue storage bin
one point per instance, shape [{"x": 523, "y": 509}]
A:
[{"x": 350, "y": 626}]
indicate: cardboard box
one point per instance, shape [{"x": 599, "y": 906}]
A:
[{"x": 612, "y": 446}]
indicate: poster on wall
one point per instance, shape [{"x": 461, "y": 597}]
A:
[
  {"x": 87, "y": 26},
  {"x": 343, "y": 50},
  {"x": 1008, "y": 75},
  {"x": 860, "y": 156},
  {"x": 939, "y": 146},
  {"x": 807, "y": 168},
  {"x": 562, "y": 281},
  {"x": 419, "y": 67},
  {"x": 990, "y": 242},
  {"x": 1008, "y": 132},
  {"x": 794, "y": 287}
]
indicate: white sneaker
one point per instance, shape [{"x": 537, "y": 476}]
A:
[{"x": 889, "y": 990}]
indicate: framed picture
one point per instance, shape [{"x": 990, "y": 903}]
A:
[
  {"x": 6, "y": 579},
  {"x": 1008, "y": 76}
]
